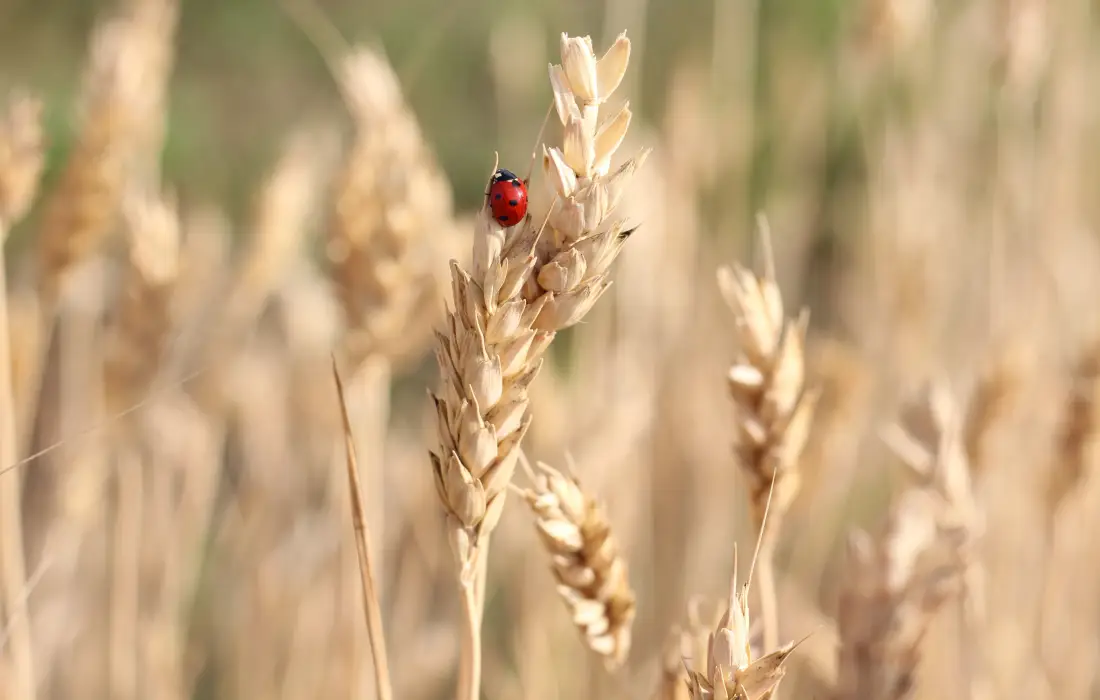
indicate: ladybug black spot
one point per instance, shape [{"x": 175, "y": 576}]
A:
[
  {"x": 503, "y": 217},
  {"x": 498, "y": 196},
  {"x": 513, "y": 202}
]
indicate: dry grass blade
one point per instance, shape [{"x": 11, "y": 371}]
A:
[
  {"x": 590, "y": 571},
  {"x": 895, "y": 585},
  {"x": 371, "y": 607}
]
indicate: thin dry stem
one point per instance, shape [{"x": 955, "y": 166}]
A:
[{"x": 371, "y": 608}]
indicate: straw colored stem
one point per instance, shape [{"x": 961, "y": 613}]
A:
[
  {"x": 12, "y": 563},
  {"x": 125, "y": 581},
  {"x": 372, "y": 610},
  {"x": 469, "y": 686},
  {"x": 765, "y": 581}
]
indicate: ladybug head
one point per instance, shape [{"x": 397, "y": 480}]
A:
[{"x": 503, "y": 175}]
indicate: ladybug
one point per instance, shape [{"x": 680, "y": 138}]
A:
[{"x": 507, "y": 197}]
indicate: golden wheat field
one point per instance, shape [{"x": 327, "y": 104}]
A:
[{"x": 787, "y": 385}]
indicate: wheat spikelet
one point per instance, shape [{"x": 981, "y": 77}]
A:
[
  {"x": 768, "y": 386},
  {"x": 590, "y": 571},
  {"x": 895, "y": 585},
  {"x": 142, "y": 318},
  {"x": 391, "y": 219},
  {"x": 129, "y": 62},
  {"x": 733, "y": 669},
  {"x": 525, "y": 285}
]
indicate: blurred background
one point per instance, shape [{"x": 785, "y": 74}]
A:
[{"x": 227, "y": 196}]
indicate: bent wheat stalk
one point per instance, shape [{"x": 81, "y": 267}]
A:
[
  {"x": 590, "y": 571},
  {"x": 526, "y": 283}
]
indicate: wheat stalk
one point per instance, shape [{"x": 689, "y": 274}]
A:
[
  {"x": 526, "y": 284},
  {"x": 590, "y": 571},
  {"x": 774, "y": 407},
  {"x": 21, "y": 161}
]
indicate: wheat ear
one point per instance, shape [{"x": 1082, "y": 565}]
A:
[
  {"x": 526, "y": 284},
  {"x": 591, "y": 572},
  {"x": 773, "y": 405},
  {"x": 391, "y": 216},
  {"x": 894, "y": 585}
]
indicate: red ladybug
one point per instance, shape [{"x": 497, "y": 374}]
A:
[{"x": 507, "y": 197}]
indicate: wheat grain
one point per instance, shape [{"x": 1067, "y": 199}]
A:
[{"x": 590, "y": 571}]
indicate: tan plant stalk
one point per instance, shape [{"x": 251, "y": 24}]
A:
[
  {"x": 732, "y": 670},
  {"x": 21, "y": 160},
  {"x": 590, "y": 571},
  {"x": 371, "y": 609},
  {"x": 895, "y": 584},
  {"x": 526, "y": 283},
  {"x": 774, "y": 407}
]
